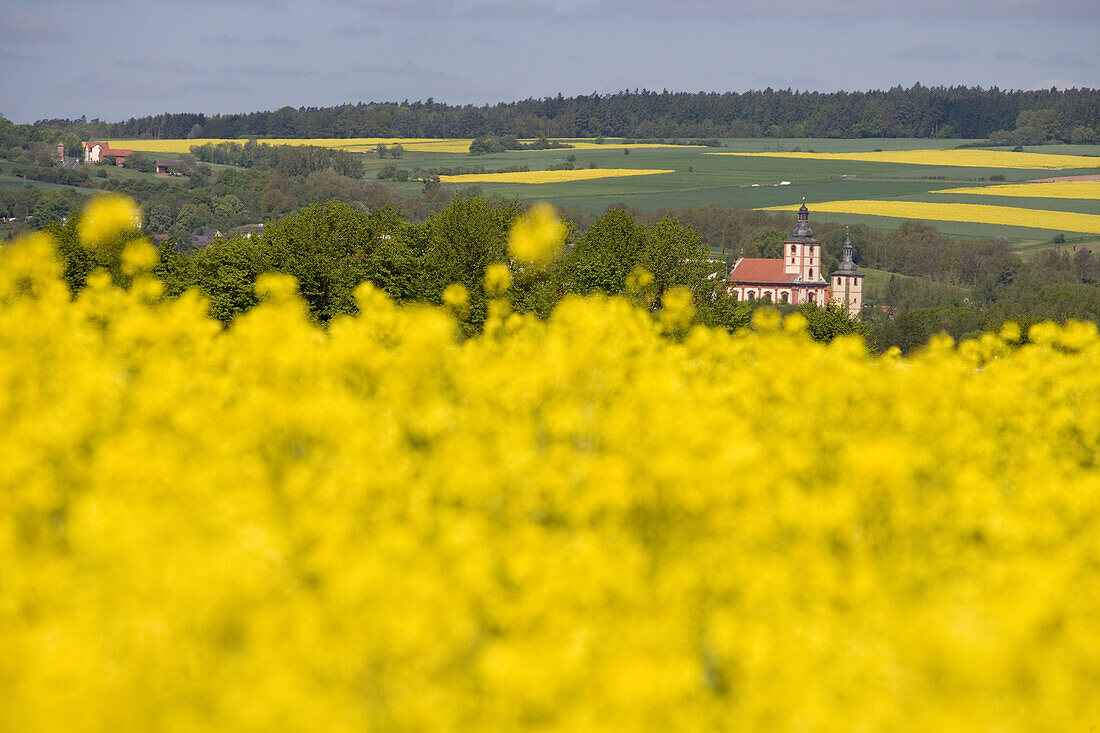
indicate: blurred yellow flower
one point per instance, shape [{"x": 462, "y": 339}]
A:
[
  {"x": 497, "y": 280},
  {"x": 276, "y": 287},
  {"x": 1010, "y": 331},
  {"x": 457, "y": 298},
  {"x": 766, "y": 319},
  {"x": 138, "y": 256},
  {"x": 537, "y": 237},
  {"x": 106, "y": 217},
  {"x": 677, "y": 309},
  {"x": 638, "y": 280}
]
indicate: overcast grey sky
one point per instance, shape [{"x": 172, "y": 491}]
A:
[{"x": 115, "y": 59}]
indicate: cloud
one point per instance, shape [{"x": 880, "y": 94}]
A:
[
  {"x": 1009, "y": 56},
  {"x": 29, "y": 25},
  {"x": 1063, "y": 59},
  {"x": 935, "y": 51},
  {"x": 267, "y": 41},
  {"x": 160, "y": 65}
]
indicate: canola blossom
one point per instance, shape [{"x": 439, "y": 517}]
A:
[
  {"x": 106, "y": 216},
  {"x": 579, "y": 174},
  {"x": 538, "y": 237},
  {"x": 965, "y": 158},
  {"x": 1080, "y": 190},
  {"x": 981, "y": 213},
  {"x": 604, "y": 520}
]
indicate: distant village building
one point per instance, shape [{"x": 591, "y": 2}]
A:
[
  {"x": 66, "y": 163},
  {"x": 797, "y": 276},
  {"x": 204, "y": 236},
  {"x": 98, "y": 152},
  {"x": 169, "y": 167}
]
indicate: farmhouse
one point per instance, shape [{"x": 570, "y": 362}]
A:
[
  {"x": 97, "y": 152},
  {"x": 797, "y": 276}
]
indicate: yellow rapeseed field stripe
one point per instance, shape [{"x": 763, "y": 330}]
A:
[
  {"x": 977, "y": 213},
  {"x": 361, "y": 144},
  {"x": 582, "y": 174},
  {"x": 1082, "y": 190},
  {"x": 576, "y": 145},
  {"x": 351, "y": 144},
  {"x": 963, "y": 158}
]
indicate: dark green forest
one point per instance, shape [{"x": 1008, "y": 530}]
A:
[{"x": 1071, "y": 115}]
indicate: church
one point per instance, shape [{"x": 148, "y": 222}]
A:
[{"x": 797, "y": 277}]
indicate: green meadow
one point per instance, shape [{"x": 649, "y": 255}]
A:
[{"x": 699, "y": 178}]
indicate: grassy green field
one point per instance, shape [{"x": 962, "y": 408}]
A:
[
  {"x": 749, "y": 182},
  {"x": 876, "y": 281},
  {"x": 701, "y": 178}
]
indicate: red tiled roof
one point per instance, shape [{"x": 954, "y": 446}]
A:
[
  {"x": 769, "y": 272},
  {"x": 107, "y": 149}
]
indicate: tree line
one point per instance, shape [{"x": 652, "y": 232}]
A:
[
  {"x": 290, "y": 160},
  {"x": 330, "y": 248},
  {"x": 940, "y": 285},
  {"x": 917, "y": 111}
]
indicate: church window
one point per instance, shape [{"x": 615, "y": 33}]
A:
[
  {"x": 783, "y": 297},
  {"x": 792, "y": 249},
  {"x": 811, "y": 273}
]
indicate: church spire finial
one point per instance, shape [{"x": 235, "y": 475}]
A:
[{"x": 803, "y": 227}]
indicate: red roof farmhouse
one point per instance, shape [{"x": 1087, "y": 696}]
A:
[{"x": 96, "y": 152}]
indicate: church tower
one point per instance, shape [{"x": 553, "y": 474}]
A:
[
  {"x": 846, "y": 282},
  {"x": 802, "y": 258}
]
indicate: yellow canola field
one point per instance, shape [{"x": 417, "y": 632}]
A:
[
  {"x": 359, "y": 144},
  {"x": 580, "y": 174},
  {"x": 978, "y": 213},
  {"x": 557, "y": 524},
  {"x": 612, "y": 145},
  {"x": 1082, "y": 190},
  {"x": 351, "y": 144},
  {"x": 964, "y": 158}
]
